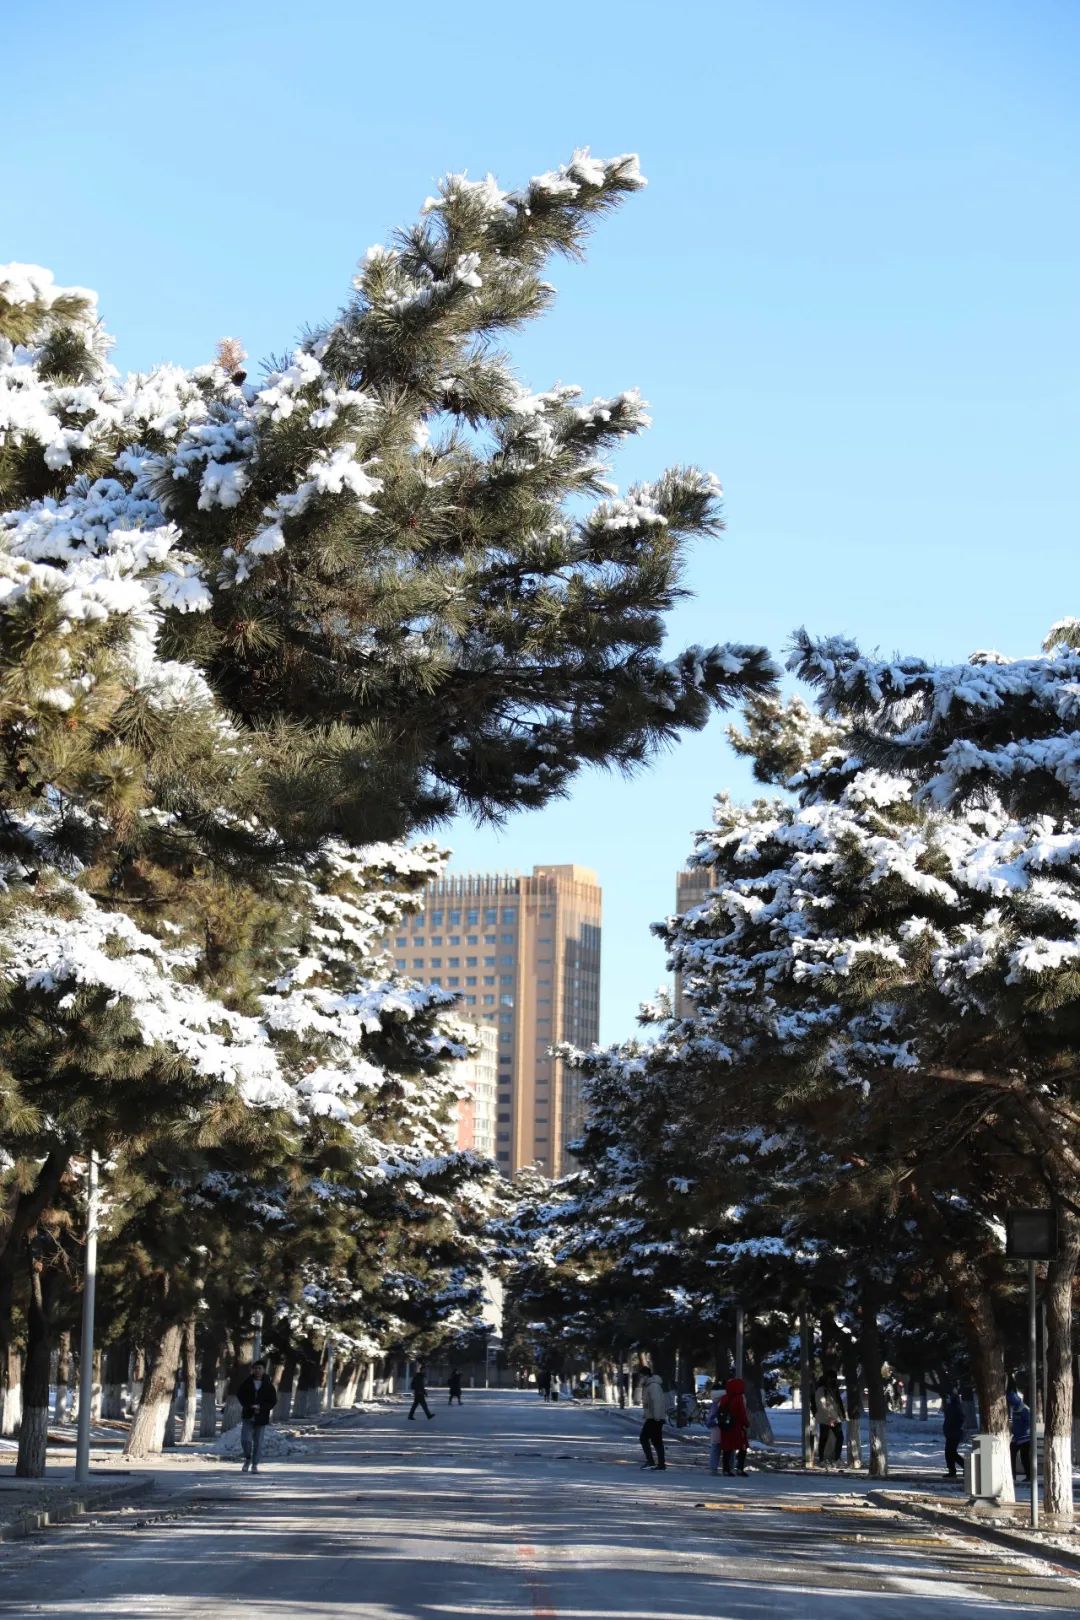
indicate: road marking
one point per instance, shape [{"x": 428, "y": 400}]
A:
[{"x": 534, "y": 1580}]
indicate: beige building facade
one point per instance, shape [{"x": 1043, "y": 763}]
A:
[{"x": 523, "y": 955}]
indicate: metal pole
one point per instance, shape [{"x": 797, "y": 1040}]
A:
[
  {"x": 1033, "y": 1375},
  {"x": 86, "y": 1349},
  {"x": 740, "y": 1337}
]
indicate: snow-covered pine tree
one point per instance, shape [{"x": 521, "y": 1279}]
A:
[{"x": 992, "y": 746}]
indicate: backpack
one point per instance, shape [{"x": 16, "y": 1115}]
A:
[{"x": 722, "y": 1418}]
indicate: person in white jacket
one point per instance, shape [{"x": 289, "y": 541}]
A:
[{"x": 654, "y": 1410}]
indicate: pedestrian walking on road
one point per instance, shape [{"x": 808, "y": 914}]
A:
[
  {"x": 1020, "y": 1449},
  {"x": 952, "y": 1427},
  {"x": 419, "y": 1393},
  {"x": 257, "y": 1397},
  {"x": 829, "y": 1416},
  {"x": 729, "y": 1422},
  {"x": 455, "y": 1388},
  {"x": 654, "y": 1411}
]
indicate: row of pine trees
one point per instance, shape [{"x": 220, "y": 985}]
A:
[
  {"x": 878, "y": 1058},
  {"x": 259, "y": 637}
]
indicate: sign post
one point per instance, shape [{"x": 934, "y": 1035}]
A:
[{"x": 1031, "y": 1235}]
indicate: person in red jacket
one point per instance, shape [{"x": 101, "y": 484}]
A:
[{"x": 733, "y": 1425}]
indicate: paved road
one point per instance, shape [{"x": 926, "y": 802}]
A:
[{"x": 512, "y": 1510}]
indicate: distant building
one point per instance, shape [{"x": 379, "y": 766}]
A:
[
  {"x": 523, "y": 955},
  {"x": 476, "y": 1112},
  {"x": 691, "y": 887}
]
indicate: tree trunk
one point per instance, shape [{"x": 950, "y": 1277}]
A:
[
  {"x": 34, "y": 1432},
  {"x": 95, "y": 1386},
  {"x": 208, "y": 1377},
  {"x": 62, "y": 1404},
  {"x": 283, "y": 1411},
  {"x": 307, "y": 1387},
  {"x": 760, "y": 1427},
  {"x": 11, "y": 1370},
  {"x": 190, "y": 1363},
  {"x": 367, "y": 1389},
  {"x": 136, "y": 1377},
  {"x": 806, "y": 1385},
  {"x": 1059, "y": 1358},
  {"x": 876, "y": 1401},
  {"x": 853, "y": 1386},
  {"x": 987, "y": 1351},
  {"x": 345, "y": 1384},
  {"x": 148, "y": 1428},
  {"x": 117, "y": 1358}
]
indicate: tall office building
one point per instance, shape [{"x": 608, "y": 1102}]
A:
[
  {"x": 691, "y": 887},
  {"x": 478, "y": 1074},
  {"x": 523, "y": 954}
]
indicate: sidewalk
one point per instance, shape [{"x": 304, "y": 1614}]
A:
[{"x": 27, "y": 1505}]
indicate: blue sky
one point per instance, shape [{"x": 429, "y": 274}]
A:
[{"x": 850, "y": 289}]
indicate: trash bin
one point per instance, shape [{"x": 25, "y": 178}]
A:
[{"x": 984, "y": 1468}]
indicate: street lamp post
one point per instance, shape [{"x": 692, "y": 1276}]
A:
[
  {"x": 86, "y": 1349},
  {"x": 1031, "y": 1235}
]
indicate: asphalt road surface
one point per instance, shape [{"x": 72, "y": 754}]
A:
[{"x": 512, "y": 1510}]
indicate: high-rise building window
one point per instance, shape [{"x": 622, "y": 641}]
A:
[
  {"x": 491, "y": 915},
  {"x": 472, "y": 939},
  {"x": 401, "y": 943},
  {"x": 508, "y": 939},
  {"x": 454, "y": 919},
  {"x": 506, "y": 978},
  {"x": 400, "y": 965},
  {"x": 507, "y": 961},
  {"x": 489, "y": 978},
  {"x": 489, "y": 961},
  {"x": 506, "y": 1000},
  {"x": 509, "y": 914},
  {"x": 418, "y": 962},
  {"x": 453, "y": 961},
  {"x": 453, "y": 982},
  {"x": 489, "y": 1001},
  {"x": 470, "y": 1001},
  {"x": 436, "y": 919},
  {"x": 436, "y": 961},
  {"x": 436, "y": 939},
  {"x": 489, "y": 939},
  {"x": 471, "y": 961},
  {"x": 472, "y": 918},
  {"x": 471, "y": 979},
  {"x": 455, "y": 939}
]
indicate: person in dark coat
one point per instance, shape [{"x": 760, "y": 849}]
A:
[
  {"x": 419, "y": 1393},
  {"x": 952, "y": 1427},
  {"x": 734, "y": 1425},
  {"x": 829, "y": 1415},
  {"x": 257, "y": 1397},
  {"x": 1020, "y": 1421},
  {"x": 455, "y": 1388}
]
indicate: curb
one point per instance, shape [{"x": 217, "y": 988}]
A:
[
  {"x": 1012, "y": 1540},
  {"x": 26, "y": 1524}
]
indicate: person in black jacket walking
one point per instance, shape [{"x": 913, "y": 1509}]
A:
[
  {"x": 455, "y": 1388},
  {"x": 257, "y": 1397},
  {"x": 419, "y": 1392},
  {"x": 952, "y": 1427}
]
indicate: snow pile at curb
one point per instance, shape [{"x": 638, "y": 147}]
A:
[{"x": 276, "y": 1443}]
